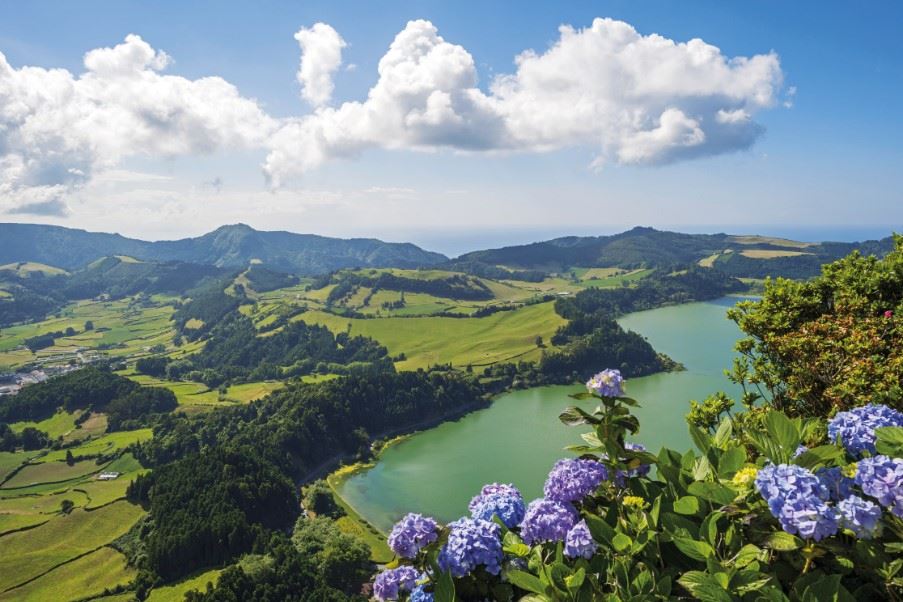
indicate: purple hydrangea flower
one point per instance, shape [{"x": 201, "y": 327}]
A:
[
  {"x": 390, "y": 583},
  {"x": 800, "y": 450},
  {"x": 859, "y": 516},
  {"x": 491, "y": 489},
  {"x": 508, "y": 505},
  {"x": 642, "y": 470},
  {"x": 412, "y": 533},
  {"x": 856, "y": 428},
  {"x": 608, "y": 383},
  {"x": 796, "y": 497},
  {"x": 579, "y": 542},
  {"x": 882, "y": 478},
  {"x": 573, "y": 479},
  {"x": 835, "y": 483},
  {"x": 419, "y": 594},
  {"x": 547, "y": 520},
  {"x": 472, "y": 542}
]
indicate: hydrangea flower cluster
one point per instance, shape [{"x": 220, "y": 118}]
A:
[
  {"x": 882, "y": 478},
  {"x": 472, "y": 542},
  {"x": 419, "y": 594},
  {"x": 837, "y": 485},
  {"x": 573, "y": 479},
  {"x": 608, "y": 383},
  {"x": 389, "y": 584},
  {"x": 797, "y": 498},
  {"x": 856, "y": 428},
  {"x": 547, "y": 520},
  {"x": 412, "y": 533},
  {"x": 578, "y": 542},
  {"x": 642, "y": 470},
  {"x": 504, "y": 501},
  {"x": 859, "y": 516}
]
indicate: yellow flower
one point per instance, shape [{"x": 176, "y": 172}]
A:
[
  {"x": 850, "y": 470},
  {"x": 745, "y": 476},
  {"x": 634, "y": 501}
]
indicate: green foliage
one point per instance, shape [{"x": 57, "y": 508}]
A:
[
  {"x": 698, "y": 528},
  {"x": 211, "y": 507},
  {"x": 342, "y": 560},
  {"x": 829, "y": 344},
  {"x": 318, "y": 499}
]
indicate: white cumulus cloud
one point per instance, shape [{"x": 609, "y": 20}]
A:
[
  {"x": 321, "y": 57},
  {"x": 634, "y": 98},
  {"x": 638, "y": 99}
]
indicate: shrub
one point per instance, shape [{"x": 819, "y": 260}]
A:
[{"x": 751, "y": 515}]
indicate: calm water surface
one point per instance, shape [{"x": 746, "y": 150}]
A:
[{"x": 519, "y": 437}]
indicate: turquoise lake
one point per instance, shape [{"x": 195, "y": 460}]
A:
[{"x": 519, "y": 437}]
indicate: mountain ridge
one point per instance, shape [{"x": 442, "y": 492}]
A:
[{"x": 233, "y": 245}]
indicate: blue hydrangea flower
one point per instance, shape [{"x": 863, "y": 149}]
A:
[
  {"x": 800, "y": 450},
  {"x": 491, "y": 489},
  {"x": 835, "y": 483},
  {"x": 882, "y": 478},
  {"x": 796, "y": 497},
  {"x": 507, "y": 504},
  {"x": 809, "y": 517},
  {"x": 777, "y": 482},
  {"x": 642, "y": 470},
  {"x": 856, "y": 428},
  {"x": 573, "y": 479},
  {"x": 412, "y": 533},
  {"x": 859, "y": 516},
  {"x": 419, "y": 594},
  {"x": 579, "y": 542},
  {"x": 390, "y": 583},
  {"x": 547, "y": 520},
  {"x": 472, "y": 542},
  {"x": 608, "y": 383}
]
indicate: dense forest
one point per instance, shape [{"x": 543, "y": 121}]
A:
[{"x": 458, "y": 286}]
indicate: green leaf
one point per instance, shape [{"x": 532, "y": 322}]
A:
[
  {"x": 702, "y": 469},
  {"x": 713, "y": 492},
  {"x": 783, "y": 431},
  {"x": 688, "y": 504},
  {"x": 525, "y": 580},
  {"x": 731, "y": 461},
  {"x": 703, "y": 587},
  {"x": 724, "y": 432},
  {"x": 599, "y": 529},
  {"x": 573, "y": 416},
  {"x": 621, "y": 542},
  {"x": 820, "y": 455},
  {"x": 697, "y": 550},
  {"x": 747, "y": 554},
  {"x": 444, "y": 590},
  {"x": 783, "y": 542},
  {"x": 889, "y": 441},
  {"x": 574, "y": 581},
  {"x": 700, "y": 438}
]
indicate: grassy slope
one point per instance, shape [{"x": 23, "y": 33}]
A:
[
  {"x": 176, "y": 592},
  {"x": 81, "y": 578},
  {"x": 461, "y": 341},
  {"x": 27, "y": 554}
]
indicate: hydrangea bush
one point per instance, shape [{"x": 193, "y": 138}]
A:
[{"x": 751, "y": 515}]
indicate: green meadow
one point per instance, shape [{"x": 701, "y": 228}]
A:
[
  {"x": 32, "y": 553},
  {"x": 502, "y": 336},
  {"x": 176, "y": 592}
]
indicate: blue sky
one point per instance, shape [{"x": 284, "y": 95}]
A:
[{"x": 830, "y": 159}]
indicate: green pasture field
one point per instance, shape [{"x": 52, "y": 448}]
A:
[
  {"x": 9, "y": 461},
  {"x": 45, "y": 473},
  {"x": 189, "y": 393},
  {"x": 87, "y": 576},
  {"x": 104, "y": 445},
  {"x": 57, "y": 425},
  {"x": 25, "y": 555},
  {"x": 436, "y": 340},
  {"x": 26, "y": 268},
  {"x": 176, "y": 592}
]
